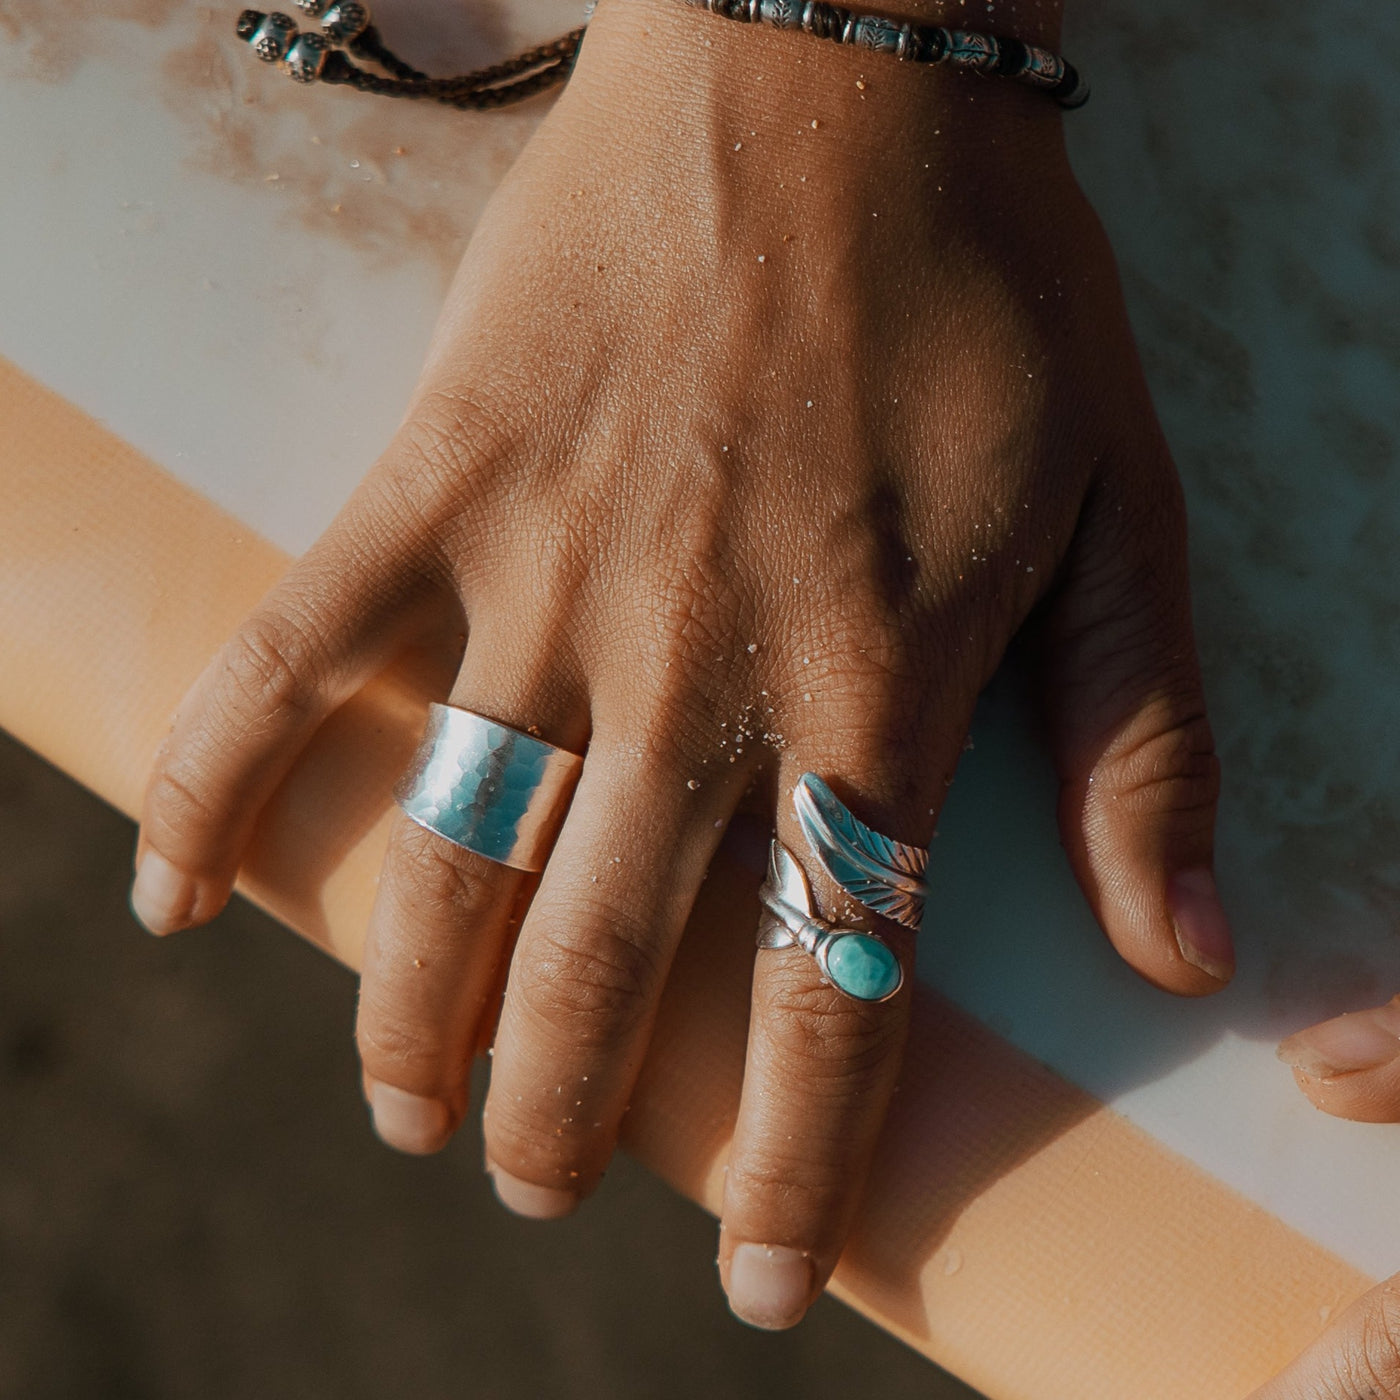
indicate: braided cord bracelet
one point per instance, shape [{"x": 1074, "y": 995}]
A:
[
  {"x": 310, "y": 57},
  {"x": 511, "y": 81}
]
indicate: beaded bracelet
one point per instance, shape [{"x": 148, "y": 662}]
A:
[
  {"x": 987, "y": 54},
  {"x": 309, "y": 57}
]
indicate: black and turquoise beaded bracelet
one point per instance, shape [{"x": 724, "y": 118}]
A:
[{"x": 988, "y": 54}]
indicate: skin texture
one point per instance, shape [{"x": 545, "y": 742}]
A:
[
  {"x": 763, "y": 412},
  {"x": 1358, "y": 1358}
]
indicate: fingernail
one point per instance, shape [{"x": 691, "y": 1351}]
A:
[
  {"x": 1202, "y": 930},
  {"x": 770, "y": 1286},
  {"x": 527, "y": 1199},
  {"x": 408, "y": 1122},
  {"x": 1359, "y": 1040},
  {"x": 162, "y": 897}
]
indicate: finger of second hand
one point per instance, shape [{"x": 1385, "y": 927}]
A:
[
  {"x": 820, "y": 1071},
  {"x": 588, "y": 970}
]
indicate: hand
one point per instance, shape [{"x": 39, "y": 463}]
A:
[{"x": 778, "y": 386}]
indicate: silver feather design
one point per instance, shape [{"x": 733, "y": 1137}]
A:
[
  {"x": 885, "y": 875},
  {"x": 788, "y": 910}
]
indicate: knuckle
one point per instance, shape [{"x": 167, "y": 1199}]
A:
[
  {"x": 876, "y": 687},
  {"x": 595, "y": 989},
  {"x": 443, "y": 458},
  {"x": 839, "y": 1043},
  {"x": 436, "y": 885},
  {"x": 435, "y": 895},
  {"x": 801, "y": 1188},
  {"x": 452, "y": 432},
  {"x": 270, "y": 669},
  {"x": 672, "y": 729},
  {"x": 1364, "y": 1362},
  {"x": 395, "y": 1044},
  {"x": 1166, "y": 763},
  {"x": 877, "y": 678},
  {"x": 1375, "y": 1356},
  {"x": 698, "y": 584},
  {"x": 180, "y": 811},
  {"x": 686, "y": 627},
  {"x": 547, "y": 1146},
  {"x": 862, "y": 730}
]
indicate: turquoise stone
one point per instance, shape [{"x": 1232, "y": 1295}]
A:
[{"x": 862, "y": 967}]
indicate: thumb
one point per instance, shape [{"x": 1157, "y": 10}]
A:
[
  {"x": 1357, "y": 1358},
  {"x": 1350, "y": 1066},
  {"x": 1139, "y": 778}
]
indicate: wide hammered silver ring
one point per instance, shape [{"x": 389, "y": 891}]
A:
[{"x": 489, "y": 788}]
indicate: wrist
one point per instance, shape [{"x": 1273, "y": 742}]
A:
[
  {"x": 1032, "y": 21},
  {"x": 680, "y": 72}
]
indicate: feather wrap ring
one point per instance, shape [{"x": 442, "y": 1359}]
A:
[{"x": 888, "y": 877}]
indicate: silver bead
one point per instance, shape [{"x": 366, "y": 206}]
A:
[
  {"x": 1043, "y": 68},
  {"x": 345, "y": 21},
  {"x": 782, "y": 14},
  {"x": 976, "y": 51},
  {"x": 872, "y": 32},
  {"x": 312, "y": 9},
  {"x": 272, "y": 36},
  {"x": 307, "y": 57}
]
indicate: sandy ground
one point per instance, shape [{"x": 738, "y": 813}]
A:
[{"x": 192, "y": 1205}]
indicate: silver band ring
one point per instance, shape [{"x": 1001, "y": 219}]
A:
[{"x": 489, "y": 788}]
